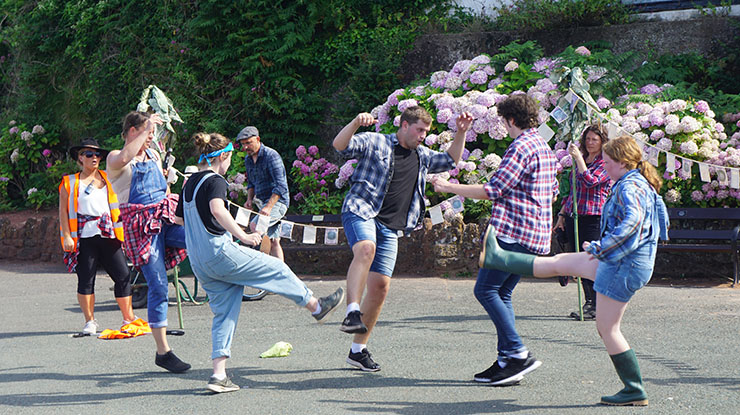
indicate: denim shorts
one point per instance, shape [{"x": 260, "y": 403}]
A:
[
  {"x": 620, "y": 280},
  {"x": 276, "y": 214},
  {"x": 384, "y": 238}
]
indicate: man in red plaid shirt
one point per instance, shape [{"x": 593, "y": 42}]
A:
[{"x": 522, "y": 191}]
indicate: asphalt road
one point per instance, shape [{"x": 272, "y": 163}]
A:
[{"x": 432, "y": 337}]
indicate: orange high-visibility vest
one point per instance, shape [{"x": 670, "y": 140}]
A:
[{"x": 71, "y": 184}]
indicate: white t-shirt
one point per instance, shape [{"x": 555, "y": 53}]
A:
[{"x": 93, "y": 204}]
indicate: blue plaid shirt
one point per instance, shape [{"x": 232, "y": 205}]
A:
[
  {"x": 633, "y": 216},
  {"x": 267, "y": 176},
  {"x": 374, "y": 170}
]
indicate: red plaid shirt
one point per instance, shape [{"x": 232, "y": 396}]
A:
[
  {"x": 105, "y": 224},
  {"x": 592, "y": 189},
  {"x": 522, "y": 190},
  {"x": 140, "y": 222}
]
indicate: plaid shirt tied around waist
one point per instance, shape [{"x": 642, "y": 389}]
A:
[
  {"x": 105, "y": 224},
  {"x": 140, "y": 222}
]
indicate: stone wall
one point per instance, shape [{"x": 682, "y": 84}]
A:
[
  {"x": 441, "y": 250},
  {"x": 706, "y": 36},
  {"x": 35, "y": 240}
]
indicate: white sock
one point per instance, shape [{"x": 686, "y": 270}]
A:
[
  {"x": 352, "y": 307},
  {"x": 219, "y": 377},
  {"x": 520, "y": 355},
  {"x": 318, "y": 309},
  {"x": 357, "y": 348},
  {"x": 501, "y": 362}
]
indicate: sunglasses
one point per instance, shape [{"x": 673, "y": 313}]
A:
[{"x": 90, "y": 154}]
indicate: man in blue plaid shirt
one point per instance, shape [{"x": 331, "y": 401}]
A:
[
  {"x": 385, "y": 200},
  {"x": 267, "y": 184},
  {"x": 522, "y": 191}
]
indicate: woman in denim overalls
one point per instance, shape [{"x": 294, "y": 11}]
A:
[
  {"x": 224, "y": 268},
  {"x": 620, "y": 263},
  {"x": 152, "y": 240}
]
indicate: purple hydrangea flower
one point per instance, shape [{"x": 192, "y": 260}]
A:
[{"x": 478, "y": 78}]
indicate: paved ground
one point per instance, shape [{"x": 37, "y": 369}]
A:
[{"x": 432, "y": 338}]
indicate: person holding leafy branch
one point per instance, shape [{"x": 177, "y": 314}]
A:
[
  {"x": 620, "y": 262},
  {"x": 592, "y": 185},
  {"x": 153, "y": 242},
  {"x": 91, "y": 232},
  {"x": 386, "y": 198}
]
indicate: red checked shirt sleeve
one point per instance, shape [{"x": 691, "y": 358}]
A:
[{"x": 592, "y": 189}]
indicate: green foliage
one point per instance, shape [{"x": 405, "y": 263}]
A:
[
  {"x": 531, "y": 15},
  {"x": 27, "y": 166},
  {"x": 528, "y": 51},
  {"x": 78, "y": 67}
]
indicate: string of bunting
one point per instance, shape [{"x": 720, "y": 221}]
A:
[
  {"x": 652, "y": 153},
  {"x": 331, "y": 233}
]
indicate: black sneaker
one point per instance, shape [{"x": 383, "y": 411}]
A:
[
  {"x": 363, "y": 361},
  {"x": 220, "y": 386},
  {"x": 515, "y": 370},
  {"x": 171, "y": 362},
  {"x": 329, "y": 304},
  {"x": 353, "y": 323},
  {"x": 493, "y": 373},
  {"x": 589, "y": 313}
]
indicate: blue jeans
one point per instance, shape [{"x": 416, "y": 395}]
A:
[
  {"x": 156, "y": 274},
  {"x": 493, "y": 291},
  {"x": 620, "y": 280},
  {"x": 385, "y": 239}
]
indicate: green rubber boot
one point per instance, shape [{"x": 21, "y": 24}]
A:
[
  {"x": 629, "y": 372},
  {"x": 493, "y": 257}
]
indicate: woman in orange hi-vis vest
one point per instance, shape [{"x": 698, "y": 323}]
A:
[{"x": 91, "y": 232}]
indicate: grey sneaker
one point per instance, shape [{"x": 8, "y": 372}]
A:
[
  {"x": 329, "y": 304},
  {"x": 220, "y": 386}
]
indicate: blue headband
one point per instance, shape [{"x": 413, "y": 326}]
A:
[{"x": 209, "y": 156}]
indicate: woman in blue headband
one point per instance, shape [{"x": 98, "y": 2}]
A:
[{"x": 223, "y": 267}]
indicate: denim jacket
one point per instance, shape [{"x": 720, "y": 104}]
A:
[{"x": 634, "y": 215}]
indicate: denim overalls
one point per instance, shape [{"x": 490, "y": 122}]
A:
[
  {"x": 224, "y": 268},
  {"x": 148, "y": 186}
]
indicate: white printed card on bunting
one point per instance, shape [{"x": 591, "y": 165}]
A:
[
  {"x": 263, "y": 222},
  {"x": 735, "y": 178},
  {"x": 652, "y": 155},
  {"x": 457, "y": 204},
  {"x": 612, "y": 130},
  {"x": 686, "y": 167},
  {"x": 722, "y": 176},
  {"x": 435, "y": 212},
  {"x": 559, "y": 115},
  {"x": 331, "y": 236},
  {"x": 670, "y": 162},
  {"x": 286, "y": 230},
  {"x": 704, "y": 173},
  {"x": 242, "y": 217},
  {"x": 545, "y": 131},
  {"x": 309, "y": 234}
]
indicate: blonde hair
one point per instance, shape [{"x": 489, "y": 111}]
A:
[
  {"x": 207, "y": 143},
  {"x": 625, "y": 150}
]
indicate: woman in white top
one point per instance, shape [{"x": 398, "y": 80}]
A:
[{"x": 91, "y": 232}]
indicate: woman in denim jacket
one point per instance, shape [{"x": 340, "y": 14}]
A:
[{"x": 620, "y": 263}]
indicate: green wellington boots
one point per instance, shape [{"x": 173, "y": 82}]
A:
[
  {"x": 493, "y": 257},
  {"x": 629, "y": 372}
]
